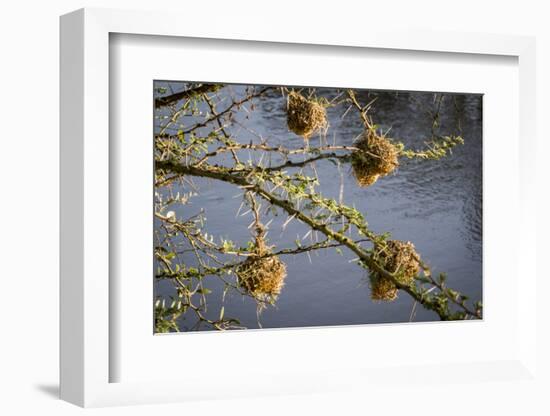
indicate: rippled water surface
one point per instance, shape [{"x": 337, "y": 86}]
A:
[{"x": 435, "y": 204}]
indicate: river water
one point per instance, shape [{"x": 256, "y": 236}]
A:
[{"x": 437, "y": 205}]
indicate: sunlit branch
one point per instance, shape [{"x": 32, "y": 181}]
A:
[{"x": 364, "y": 256}]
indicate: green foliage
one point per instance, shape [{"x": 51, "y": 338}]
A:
[{"x": 435, "y": 149}]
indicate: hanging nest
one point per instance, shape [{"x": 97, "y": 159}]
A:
[
  {"x": 376, "y": 156},
  {"x": 262, "y": 277},
  {"x": 305, "y": 117},
  {"x": 399, "y": 258}
]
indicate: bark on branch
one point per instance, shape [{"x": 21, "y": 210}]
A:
[
  {"x": 362, "y": 254},
  {"x": 186, "y": 94}
]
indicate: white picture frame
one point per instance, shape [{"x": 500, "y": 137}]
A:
[{"x": 87, "y": 355}]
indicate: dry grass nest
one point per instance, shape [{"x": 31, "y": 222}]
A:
[
  {"x": 305, "y": 117},
  {"x": 262, "y": 277},
  {"x": 399, "y": 258},
  {"x": 376, "y": 156}
]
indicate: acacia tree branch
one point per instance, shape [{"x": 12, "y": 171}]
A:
[
  {"x": 227, "y": 110},
  {"x": 186, "y": 94},
  {"x": 362, "y": 110},
  {"x": 170, "y": 274},
  {"x": 364, "y": 256},
  {"x": 295, "y": 164}
]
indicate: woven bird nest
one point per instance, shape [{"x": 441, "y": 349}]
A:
[
  {"x": 262, "y": 277},
  {"x": 399, "y": 258},
  {"x": 305, "y": 117},
  {"x": 376, "y": 156}
]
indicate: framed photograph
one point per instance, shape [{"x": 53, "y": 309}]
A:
[{"x": 285, "y": 213}]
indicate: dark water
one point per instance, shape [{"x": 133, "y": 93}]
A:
[{"x": 435, "y": 204}]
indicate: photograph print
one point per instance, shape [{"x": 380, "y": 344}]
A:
[{"x": 302, "y": 206}]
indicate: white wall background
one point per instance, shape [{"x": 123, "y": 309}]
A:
[{"x": 29, "y": 115}]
